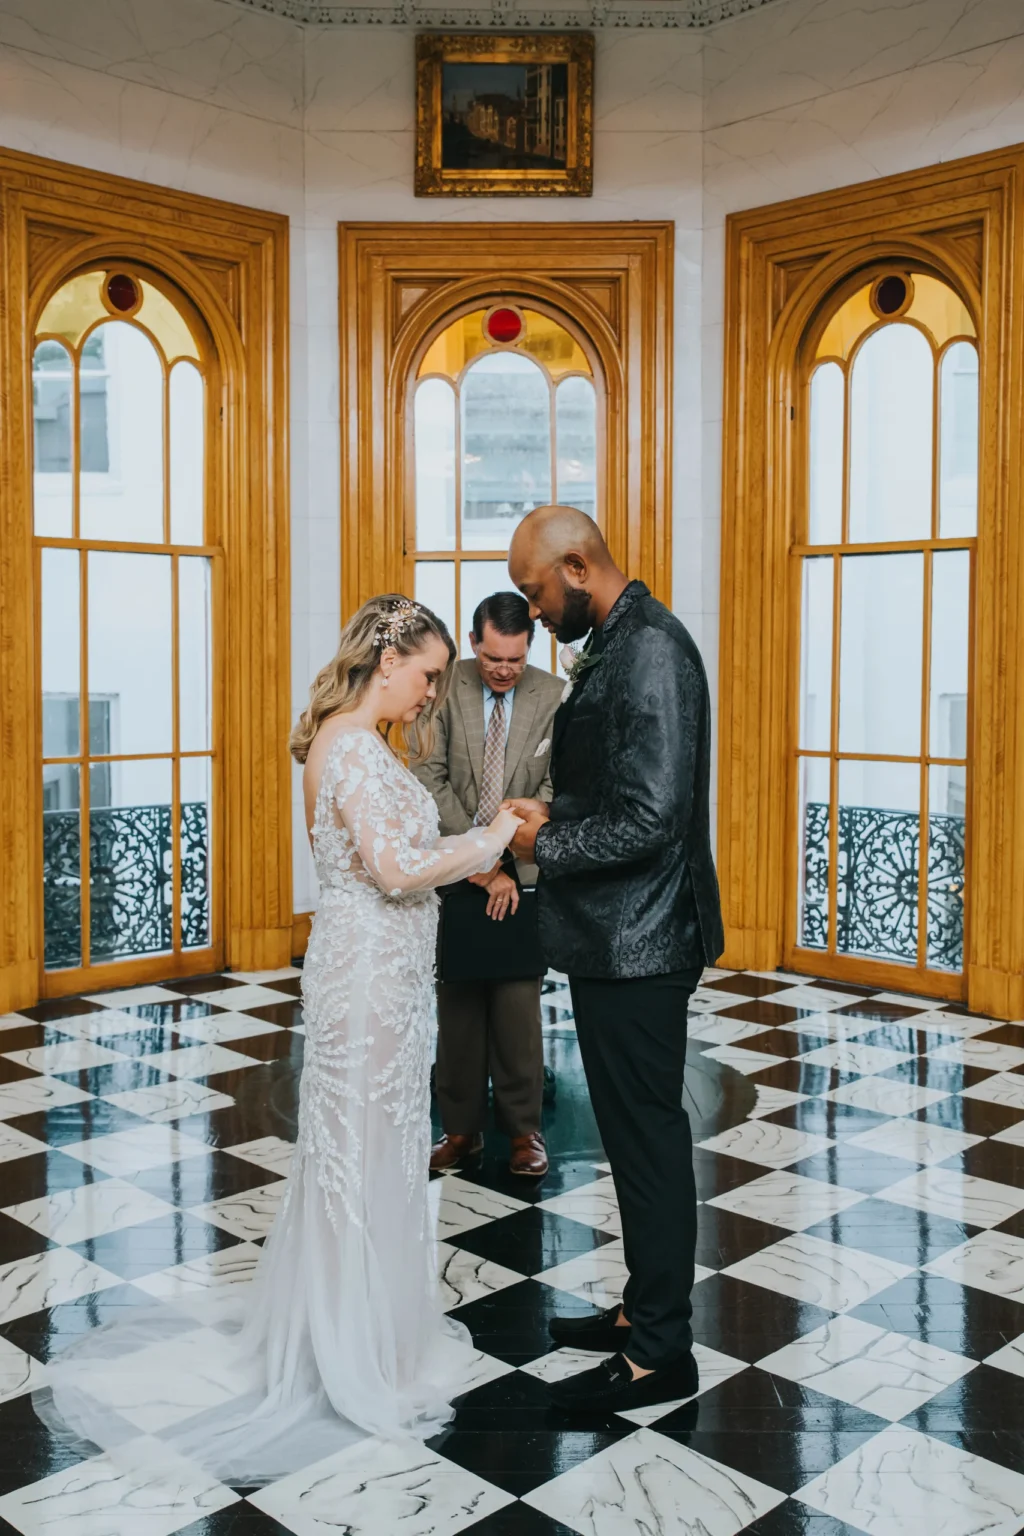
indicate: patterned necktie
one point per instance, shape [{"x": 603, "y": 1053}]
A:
[{"x": 492, "y": 785}]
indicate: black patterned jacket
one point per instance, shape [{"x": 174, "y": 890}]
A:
[{"x": 628, "y": 884}]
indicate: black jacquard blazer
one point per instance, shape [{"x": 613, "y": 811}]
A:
[{"x": 628, "y": 884}]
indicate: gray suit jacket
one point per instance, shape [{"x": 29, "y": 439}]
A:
[{"x": 453, "y": 771}]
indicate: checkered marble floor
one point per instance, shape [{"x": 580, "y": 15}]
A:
[{"x": 859, "y": 1310}]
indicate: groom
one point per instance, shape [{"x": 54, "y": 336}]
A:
[{"x": 628, "y": 906}]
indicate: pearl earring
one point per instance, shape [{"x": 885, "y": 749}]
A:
[{"x": 386, "y": 681}]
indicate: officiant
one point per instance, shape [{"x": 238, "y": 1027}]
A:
[{"x": 493, "y": 741}]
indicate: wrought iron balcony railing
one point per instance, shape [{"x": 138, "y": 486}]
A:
[
  {"x": 130, "y": 884},
  {"x": 877, "y": 884}
]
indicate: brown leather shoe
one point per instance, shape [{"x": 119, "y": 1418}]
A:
[
  {"x": 450, "y": 1151},
  {"x": 529, "y": 1155}
]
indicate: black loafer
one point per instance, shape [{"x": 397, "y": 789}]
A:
[
  {"x": 610, "y": 1387},
  {"x": 598, "y": 1331}
]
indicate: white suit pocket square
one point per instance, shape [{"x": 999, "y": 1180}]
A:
[{"x": 545, "y": 744}]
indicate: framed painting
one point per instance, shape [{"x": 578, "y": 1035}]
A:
[{"x": 504, "y": 115}]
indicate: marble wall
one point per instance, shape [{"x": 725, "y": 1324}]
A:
[{"x": 318, "y": 124}]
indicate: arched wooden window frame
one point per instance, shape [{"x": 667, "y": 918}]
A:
[
  {"x": 610, "y": 284},
  {"x": 787, "y": 266},
  {"x": 596, "y": 377},
  {"x": 227, "y": 268}
]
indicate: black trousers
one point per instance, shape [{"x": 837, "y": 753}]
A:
[{"x": 632, "y": 1036}]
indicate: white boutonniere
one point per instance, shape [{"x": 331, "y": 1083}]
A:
[
  {"x": 545, "y": 744},
  {"x": 575, "y": 663}
]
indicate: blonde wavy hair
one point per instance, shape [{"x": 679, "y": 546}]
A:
[{"x": 391, "y": 622}]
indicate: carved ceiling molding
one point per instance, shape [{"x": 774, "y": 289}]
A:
[{"x": 503, "y": 14}]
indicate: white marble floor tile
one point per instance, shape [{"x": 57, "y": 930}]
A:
[
  {"x": 1013, "y": 1135},
  {"x": 74, "y": 1215},
  {"x": 68, "y": 1056},
  {"x": 1009, "y": 1358},
  {"x": 269, "y": 1152},
  {"x": 773, "y": 1146},
  {"x": 884, "y": 1373},
  {"x": 647, "y": 1483},
  {"x": 992, "y": 1261},
  {"x": 91, "y": 1026},
  {"x": 594, "y": 1205},
  {"x": 886, "y": 1096},
  {"x": 559, "y": 1364},
  {"x": 298, "y": 1029},
  {"x": 48, "y": 1280},
  {"x": 459, "y": 1206},
  {"x": 958, "y": 1196},
  {"x": 747, "y": 1062},
  {"x": 771, "y": 1099},
  {"x": 99, "y": 1498},
  {"x": 37, "y": 1094},
  {"x": 377, "y": 1487},
  {"x": 19, "y": 1372},
  {"x": 712, "y": 1031},
  {"x": 464, "y": 1277},
  {"x": 815, "y": 999},
  {"x": 788, "y": 1200},
  {"x": 199, "y": 1061},
  {"x": 935, "y": 1021},
  {"x": 134, "y": 997},
  {"x": 915, "y": 1140},
  {"x": 979, "y": 1052},
  {"x": 249, "y": 1215},
  {"x": 240, "y": 998},
  {"x": 14, "y": 1021},
  {"x": 905, "y": 1000},
  {"x": 171, "y": 1101},
  {"x": 901, "y": 1482},
  {"x": 854, "y": 1056},
  {"x": 479, "y": 1368},
  {"x": 264, "y": 978},
  {"x": 598, "y": 1277},
  {"x": 706, "y": 1001},
  {"x": 144, "y": 1146},
  {"x": 714, "y": 1368},
  {"x": 229, "y": 1266},
  {"x": 830, "y": 1026},
  {"x": 219, "y": 1027},
  {"x": 1005, "y": 1088},
  {"x": 170, "y": 1381},
  {"x": 812, "y": 1270},
  {"x": 15, "y": 1144}
]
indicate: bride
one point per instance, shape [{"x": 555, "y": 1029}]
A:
[{"x": 341, "y": 1333}]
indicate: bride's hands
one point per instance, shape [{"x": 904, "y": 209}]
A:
[{"x": 505, "y": 826}]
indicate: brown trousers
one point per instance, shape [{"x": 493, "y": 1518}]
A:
[{"x": 489, "y": 1029}]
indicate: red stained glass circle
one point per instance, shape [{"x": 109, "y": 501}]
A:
[
  {"x": 122, "y": 293},
  {"x": 504, "y": 326}
]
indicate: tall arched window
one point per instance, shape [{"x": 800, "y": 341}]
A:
[
  {"x": 885, "y": 577},
  {"x": 504, "y": 418},
  {"x": 125, "y": 578}
]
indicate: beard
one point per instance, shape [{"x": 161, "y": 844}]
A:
[{"x": 575, "y": 621}]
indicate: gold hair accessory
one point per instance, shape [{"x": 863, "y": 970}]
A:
[{"x": 394, "y": 624}]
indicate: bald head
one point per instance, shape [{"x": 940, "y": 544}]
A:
[
  {"x": 549, "y": 534},
  {"x": 560, "y": 562}
]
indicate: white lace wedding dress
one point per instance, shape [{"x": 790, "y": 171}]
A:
[{"x": 340, "y": 1333}]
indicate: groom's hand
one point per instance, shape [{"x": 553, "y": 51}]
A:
[{"x": 534, "y": 813}]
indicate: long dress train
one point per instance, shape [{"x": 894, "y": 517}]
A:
[{"x": 340, "y": 1333}]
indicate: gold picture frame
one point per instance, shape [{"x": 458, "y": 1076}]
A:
[{"x": 504, "y": 115}]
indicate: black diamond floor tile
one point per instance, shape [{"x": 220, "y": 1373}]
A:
[
  {"x": 43, "y": 1173},
  {"x": 45, "y": 1333},
  {"x": 892, "y": 1231},
  {"x": 795, "y": 1519},
  {"x": 77, "y": 1122},
  {"x": 747, "y": 1321},
  {"x": 512, "y": 1324},
  {"x": 747, "y": 985},
  {"x": 853, "y": 1167},
  {"x": 531, "y": 1241},
  {"x": 975, "y": 1116},
  {"x": 54, "y": 1008},
  {"x": 241, "y": 1519},
  {"x": 518, "y": 1520},
  {"x": 725, "y": 1237},
  {"x": 151, "y": 1246},
  {"x": 824, "y": 1117},
  {"x": 197, "y": 1180},
  {"x": 938, "y": 1311}
]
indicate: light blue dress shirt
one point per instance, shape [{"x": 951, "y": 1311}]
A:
[{"x": 489, "y": 698}]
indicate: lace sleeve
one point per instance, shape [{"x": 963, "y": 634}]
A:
[{"x": 392, "y": 841}]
